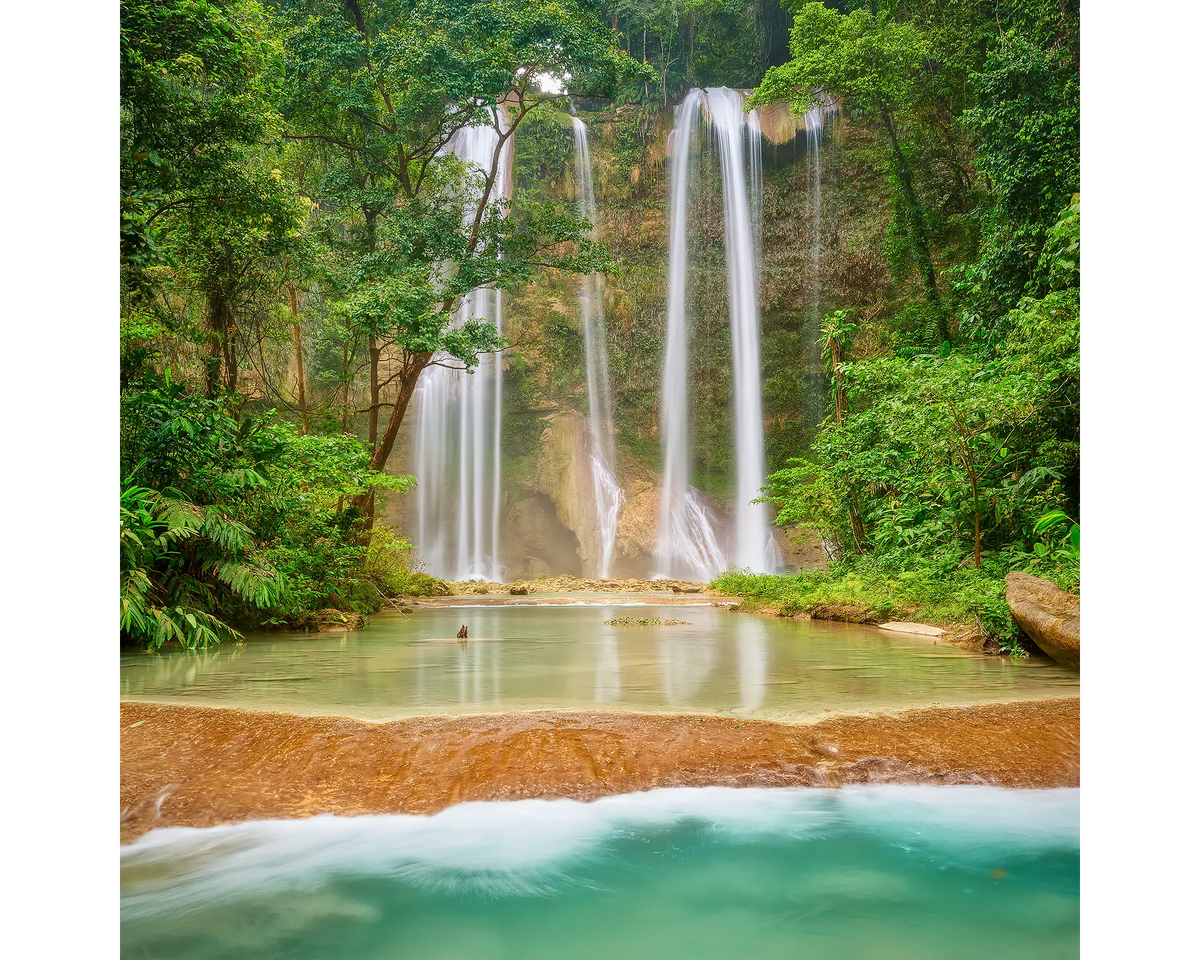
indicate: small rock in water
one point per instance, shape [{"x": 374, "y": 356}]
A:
[
  {"x": 645, "y": 622},
  {"x": 519, "y": 591},
  {"x": 998, "y": 874},
  {"x": 462, "y": 632}
]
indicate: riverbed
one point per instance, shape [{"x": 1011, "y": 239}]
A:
[{"x": 555, "y": 785}]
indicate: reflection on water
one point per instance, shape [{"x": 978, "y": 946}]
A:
[
  {"x": 752, "y": 665},
  {"x": 685, "y": 662},
  {"x": 608, "y": 671},
  {"x": 566, "y": 657},
  {"x": 864, "y": 872}
]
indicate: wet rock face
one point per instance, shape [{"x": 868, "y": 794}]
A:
[
  {"x": 534, "y": 542},
  {"x": 564, "y": 475},
  {"x": 1048, "y": 615}
]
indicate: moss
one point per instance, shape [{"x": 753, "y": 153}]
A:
[
  {"x": 871, "y": 592},
  {"x": 633, "y": 221}
]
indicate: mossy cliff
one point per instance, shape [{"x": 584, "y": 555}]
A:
[{"x": 549, "y": 521}]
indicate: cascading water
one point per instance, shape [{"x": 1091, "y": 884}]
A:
[
  {"x": 687, "y": 545},
  {"x": 753, "y": 532},
  {"x": 591, "y": 316},
  {"x": 458, "y": 412},
  {"x": 814, "y": 123}
]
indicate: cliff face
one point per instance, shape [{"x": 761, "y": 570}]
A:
[{"x": 548, "y": 518}]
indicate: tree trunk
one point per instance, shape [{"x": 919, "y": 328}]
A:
[
  {"x": 373, "y": 412},
  {"x": 839, "y": 411},
  {"x": 914, "y": 227},
  {"x": 299, "y": 359},
  {"x": 231, "y": 369},
  {"x": 218, "y": 361},
  {"x": 345, "y": 389},
  {"x": 414, "y": 365}
]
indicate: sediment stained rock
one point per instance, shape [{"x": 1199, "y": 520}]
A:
[
  {"x": 200, "y": 766},
  {"x": 1047, "y": 614}
]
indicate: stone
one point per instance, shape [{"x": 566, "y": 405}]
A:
[
  {"x": 922, "y": 629},
  {"x": 1047, "y": 614},
  {"x": 521, "y": 591},
  {"x": 844, "y": 612},
  {"x": 971, "y": 639},
  {"x": 330, "y": 619},
  {"x": 802, "y": 549},
  {"x": 534, "y": 541}
]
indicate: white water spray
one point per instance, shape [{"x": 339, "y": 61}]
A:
[{"x": 606, "y": 489}]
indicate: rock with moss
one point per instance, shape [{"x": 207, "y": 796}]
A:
[{"x": 332, "y": 620}]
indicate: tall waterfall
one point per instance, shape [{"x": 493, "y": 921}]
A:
[
  {"x": 591, "y": 316},
  {"x": 457, "y": 436},
  {"x": 687, "y": 545}
]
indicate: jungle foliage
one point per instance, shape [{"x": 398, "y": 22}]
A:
[
  {"x": 296, "y": 238},
  {"x": 953, "y": 458}
]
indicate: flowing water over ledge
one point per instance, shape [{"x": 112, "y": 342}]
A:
[
  {"x": 862, "y": 872},
  {"x": 565, "y": 657}
]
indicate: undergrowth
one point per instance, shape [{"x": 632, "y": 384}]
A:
[{"x": 933, "y": 591}]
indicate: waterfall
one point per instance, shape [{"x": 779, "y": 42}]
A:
[
  {"x": 687, "y": 545},
  {"x": 607, "y": 491},
  {"x": 753, "y": 525},
  {"x": 814, "y": 123},
  {"x": 459, "y": 413}
]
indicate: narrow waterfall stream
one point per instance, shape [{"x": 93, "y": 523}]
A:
[
  {"x": 607, "y": 490},
  {"x": 459, "y": 413},
  {"x": 687, "y": 544},
  {"x": 814, "y": 125},
  {"x": 753, "y": 543}
]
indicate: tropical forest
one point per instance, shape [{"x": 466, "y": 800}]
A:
[{"x": 599, "y": 476}]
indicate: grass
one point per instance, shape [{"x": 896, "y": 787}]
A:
[{"x": 934, "y": 592}]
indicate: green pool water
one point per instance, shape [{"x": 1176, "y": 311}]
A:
[
  {"x": 863, "y": 872},
  {"x": 544, "y": 657}
]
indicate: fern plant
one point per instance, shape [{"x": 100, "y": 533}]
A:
[{"x": 179, "y": 563}]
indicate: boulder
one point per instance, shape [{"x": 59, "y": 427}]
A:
[
  {"x": 1048, "y": 615},
  {"x": 330, "y": 620},
  {"x": 904, "y": 626},
  {"x": 844, "y": 612},
  {"x": 971, "y": 639}
]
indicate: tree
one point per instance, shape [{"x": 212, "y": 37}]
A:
[
  {"x": 954, "y": 452},
  {"x": 381, "y": 90},
  {"x": 1027, "y": 120},
  {"x": 201, "y": 205},
  {"x": 874, "y": 64}
]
